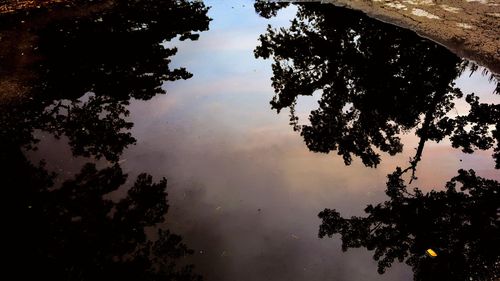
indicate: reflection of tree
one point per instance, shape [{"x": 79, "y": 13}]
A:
[
  {"x": 376, "y": 81},
  {"x": 479, "y": 119},
  {"x": 117, "y": 52},
  {"x": 461, "y": 224},
  {"x": 81, "y": 121},
  {"x": 87, "y": 69},
  {"x": 268, "y": 9},
  {"x": 75, "y": 232},
  {"x": 113, "y": 56}
]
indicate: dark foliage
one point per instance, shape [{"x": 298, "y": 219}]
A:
[
  {"x": 461, "y": 224},
  {"x": 269, "y": 9},
  {"x": 376, "y": 81},
  {"x": 88, "y": 68},
  {"x": 76, "y": 232}
]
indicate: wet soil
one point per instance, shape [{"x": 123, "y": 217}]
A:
[
  {"x": 12, "y": 6},
  {"x": 18, "y": 41}
]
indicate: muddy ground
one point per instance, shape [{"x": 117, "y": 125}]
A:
[
  {"x": 19, "y": 21},
  {"x": 10, "y": 6}
]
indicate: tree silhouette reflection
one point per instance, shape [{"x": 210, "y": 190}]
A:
[
  {"x": 77, "y": 232},
  {"x": 461, "y": 224},
  {"x": 118, "y": 52},
  {"x": 376, "y": 81},
  {"x": 87, "y": 69}
]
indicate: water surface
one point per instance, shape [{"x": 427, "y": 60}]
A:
[{"x": 244, "y": 189}]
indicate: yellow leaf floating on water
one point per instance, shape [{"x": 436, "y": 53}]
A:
[{"x": 431, "y": 253}]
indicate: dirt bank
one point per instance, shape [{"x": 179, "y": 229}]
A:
[
  {"x": 11, "y": 6},
  {"x": 18, "y": 41},
  {"x": 469, "y": 28}
]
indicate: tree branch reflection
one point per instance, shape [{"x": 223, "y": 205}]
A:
[{"x": 376, "y": 82}]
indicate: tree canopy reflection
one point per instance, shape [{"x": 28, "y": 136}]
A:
[
  {"x": 87, "y": 69},
  {"x": 117, "y": 52},
  {"x": 461, "y": 224},
  {"x": 376, "y": 81},
  {"x": 77, "y": 232}
]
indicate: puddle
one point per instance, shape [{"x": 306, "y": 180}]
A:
[{"x": 158, "y": 122}]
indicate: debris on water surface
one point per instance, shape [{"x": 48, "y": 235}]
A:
[{"x": 431, "y": 253}]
